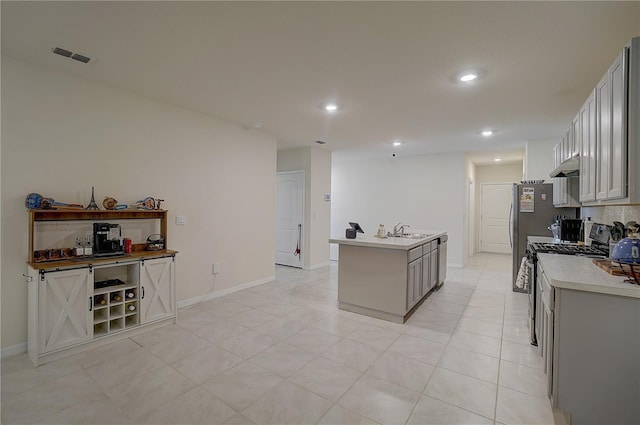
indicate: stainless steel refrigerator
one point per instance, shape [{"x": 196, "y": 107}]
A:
[{"x": 531, "y": 213}]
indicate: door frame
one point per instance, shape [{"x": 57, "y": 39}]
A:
[
  {"x": 303, "y": 237},
  {"x": 480, "y": 225}
]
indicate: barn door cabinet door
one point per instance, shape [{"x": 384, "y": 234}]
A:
[
  {"x": 64, "y": 308},
  {"x": 157, "y": 289}
]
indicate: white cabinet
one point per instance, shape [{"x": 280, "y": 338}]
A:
[
  {"x": 587, "y": 142},
  {"x": 157, "y": 289},
  {"x": 611, "y": 132},
  {"x": 72, "y": 308},
  {"x": 116, "y": 305},
  {"x": 435, "y": 267},
  {"x": 565, "y": 189},
  {"x": 575, "y": 136},
  {"x": 63, "y": 304},
  {"x": 546, "y": 328},
  {"x": 414, "y": 282},
  {"x": 617, "y": 178},
  {"x": 427, "y": 282}
]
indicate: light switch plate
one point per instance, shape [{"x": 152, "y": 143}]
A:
[
  {"x": 181, "y": 220},
  {"x": 327, "y": 197}
]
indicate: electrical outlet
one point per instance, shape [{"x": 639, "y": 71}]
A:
[{"x": 215, "y": 269}]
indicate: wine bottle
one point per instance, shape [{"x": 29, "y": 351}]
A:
[
  {"x": 130, "y": 294},
  {"x": 131, "y": 307},
  {"x": 116, "y": 298}
]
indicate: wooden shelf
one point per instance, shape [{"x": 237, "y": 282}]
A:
[
  {"x": 36, "y": 215},
  {"x": 63, "y": 215},
  {"x": 82, "y": 262}
]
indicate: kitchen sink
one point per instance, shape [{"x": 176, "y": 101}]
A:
[{"x": 416, "y": 235}]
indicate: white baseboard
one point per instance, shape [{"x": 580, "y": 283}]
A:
[
  {"x": 13, "y": 350},
  {"x": 195, "y": 300},
  {"x": 455, "y": 266}
]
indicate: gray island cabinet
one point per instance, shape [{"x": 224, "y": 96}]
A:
[
  {"x": 387, "y": 278},
  {"x": 590, "y": 340}
]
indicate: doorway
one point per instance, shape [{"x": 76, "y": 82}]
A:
[
  {"x": 495, "y": 200},
  {"x": 290, "y": 219}
]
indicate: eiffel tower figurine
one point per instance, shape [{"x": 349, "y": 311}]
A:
[{"x": 92, "y": 204}]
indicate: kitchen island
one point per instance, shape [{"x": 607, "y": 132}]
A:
[
  {"x": 387, "y": 278},
  {"x": 590, "y": 328}
]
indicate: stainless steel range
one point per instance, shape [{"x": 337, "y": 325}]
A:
[
  {"x": 569, "y": 249},
  {"x": 599, "y": 249}
]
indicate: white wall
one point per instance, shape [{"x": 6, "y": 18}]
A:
[
  {"x": 426, "y": 192},
  {"x": 320, "y": 213},
  {"x": 502, "y": 173},
  {"x": 316, "y": 164},
  {"x": 61, "y": 135},
  {"x": 470, "y": 227},
  {"x": 538, "y": 159}
]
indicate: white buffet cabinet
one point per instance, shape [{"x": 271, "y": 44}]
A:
[
  {"x": 386, "y": 278},
  {"x": 588, "y": 327},
  {"x": 75, "y": 304}
]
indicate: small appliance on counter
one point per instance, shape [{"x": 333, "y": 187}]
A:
[
  {"x": 350, "y": 233},
  {"x": 107, "y": 240},
  {"x": 570, "y": 229}
]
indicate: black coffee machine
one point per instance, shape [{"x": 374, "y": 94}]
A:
[{"x": 107, "y": 240}]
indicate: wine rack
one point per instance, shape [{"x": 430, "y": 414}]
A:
[{"x": 116, "y": 303}]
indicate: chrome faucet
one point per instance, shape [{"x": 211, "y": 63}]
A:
[{"x": 398, "y": 229}]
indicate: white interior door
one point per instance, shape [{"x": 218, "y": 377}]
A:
[
  {"x": 289, "y": 219},
  {"x": 495, "y": 200}
]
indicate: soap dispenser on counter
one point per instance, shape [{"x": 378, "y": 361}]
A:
[{"x": 382, "y": 233}]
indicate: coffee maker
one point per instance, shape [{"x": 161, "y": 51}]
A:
[{"x": 107, "y": 240}]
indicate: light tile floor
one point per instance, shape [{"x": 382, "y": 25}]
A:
[{"x": 282, "y": 353}]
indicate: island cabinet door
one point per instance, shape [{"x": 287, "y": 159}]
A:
[
  {"x": 427, "y": 282},
  {"x": 157, "y": 289},
  {"x": 414, "y": 281},
  {"x": 64, "y": 303}
]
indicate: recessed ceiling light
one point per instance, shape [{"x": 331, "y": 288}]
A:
[
  {"x": 497, "y": 159},
  {"x": 468, "y": 76},
  {"x": 331, "y": 107},
  {"x": 487, "y": 133},
  {"x": 398, "y": 143},
  {"x": 256, "y": 124}
]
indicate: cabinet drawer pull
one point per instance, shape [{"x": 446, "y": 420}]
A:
[
  {"x": 90, "y": 303},
  {"x": 142, "y": 292}
]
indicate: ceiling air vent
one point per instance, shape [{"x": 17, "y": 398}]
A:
[
  {"x": 80, "y": 58},
  {"x": 62, "y": 52},
  {"x": 67, "y": 54}
]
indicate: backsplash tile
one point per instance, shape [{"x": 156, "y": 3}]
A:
[{"x": 609, "y": 214}]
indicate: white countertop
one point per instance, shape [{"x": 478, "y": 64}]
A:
[
  {"x": 579, "y": 273},
  {"x": 388, "y": 243}
]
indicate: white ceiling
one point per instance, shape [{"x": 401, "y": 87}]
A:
[{"x": 389, "y": 65}]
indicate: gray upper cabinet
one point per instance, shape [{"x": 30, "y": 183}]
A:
[
  {"x": 611, "y": 123},
  {"x": 617, "y": 178},
  {"x": 565, "y": 190},
  {"x": 587, "y": 146},
  {"x": 576, "y": 134},
  {"x": 607, "y": 134},
  {"x": 603, "y": 136}
]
